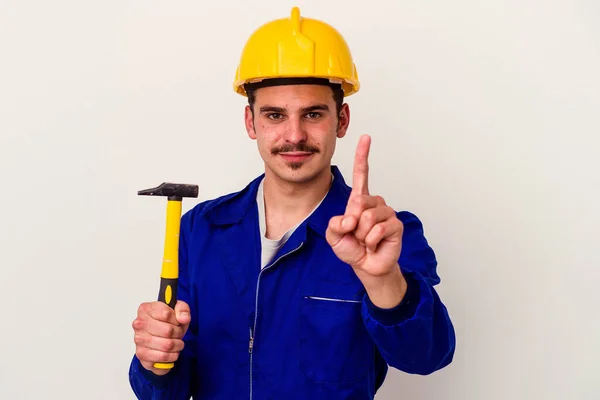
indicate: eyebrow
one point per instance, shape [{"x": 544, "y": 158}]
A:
[{"x": 315, "y": 107}]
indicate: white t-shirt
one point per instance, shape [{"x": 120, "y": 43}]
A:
[{"x": 270, "y": 247}]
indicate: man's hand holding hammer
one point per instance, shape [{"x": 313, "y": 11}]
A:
[
  {"x": 159, "y": 332},
  {"x": 161, "y": 325}
]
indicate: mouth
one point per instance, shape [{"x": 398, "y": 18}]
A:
[{"x": 296, "y": 156}]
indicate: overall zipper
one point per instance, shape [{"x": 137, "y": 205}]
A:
[{"x": 253, "y": 329}]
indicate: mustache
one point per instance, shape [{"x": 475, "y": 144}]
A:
[{"x": 295, "y": 147}]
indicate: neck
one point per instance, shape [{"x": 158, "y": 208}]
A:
[{"x": 288, "y": 203}]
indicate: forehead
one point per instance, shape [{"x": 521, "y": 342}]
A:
[{"x": 294, "y": 94}]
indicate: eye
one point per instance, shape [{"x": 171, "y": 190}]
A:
[
  {"x": 313, "y": 115},
  {"x": 274, "y": 116}
]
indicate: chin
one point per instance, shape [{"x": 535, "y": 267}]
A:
[
  {"x": 295, "y": 166},
  {"x": 296, "y": 172}
]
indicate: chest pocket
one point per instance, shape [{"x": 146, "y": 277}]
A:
[{"x": 334, "y": 345}]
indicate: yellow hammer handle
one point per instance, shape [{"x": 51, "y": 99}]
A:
[{"x": 170, "y": 265}]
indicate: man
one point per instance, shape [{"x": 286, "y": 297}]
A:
[{"x": 297, "y": 286}]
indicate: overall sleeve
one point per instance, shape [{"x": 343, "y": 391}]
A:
[
  {"x": 417, "y": 336},
  {"x": 175, "y": 385}
]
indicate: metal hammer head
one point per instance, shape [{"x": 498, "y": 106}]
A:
[{"x": 174, "y": 191}]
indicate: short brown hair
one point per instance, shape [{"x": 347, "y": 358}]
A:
[{"x": 338, "y": 92}]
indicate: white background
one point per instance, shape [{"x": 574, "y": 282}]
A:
[{"x": 485, "y": 118}]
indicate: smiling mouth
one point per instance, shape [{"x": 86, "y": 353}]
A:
[{"x": 295, "y": 155}]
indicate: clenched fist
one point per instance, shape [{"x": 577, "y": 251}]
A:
[{"x": 159, "y": 332}]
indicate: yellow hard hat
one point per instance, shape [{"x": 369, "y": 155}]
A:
[{"x": 297, "y": 47}]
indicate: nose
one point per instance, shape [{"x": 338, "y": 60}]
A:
[{"x": 295, "y": 132}]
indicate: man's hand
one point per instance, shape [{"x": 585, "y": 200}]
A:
[
  {"x": 368, "y": 237},
  {"x": 159, "y": 332}
]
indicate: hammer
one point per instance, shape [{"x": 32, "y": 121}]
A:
[{"x": 175, "y": 192}]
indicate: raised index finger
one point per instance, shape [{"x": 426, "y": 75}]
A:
[{"x": 360, "y": 183}]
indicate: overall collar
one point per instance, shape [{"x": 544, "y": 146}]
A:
[{"x": 231, "y": 209}]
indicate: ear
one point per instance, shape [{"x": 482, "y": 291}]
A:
[
  {"x": 249, "y": 122},
  {"x": 343, "y": 121}
]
